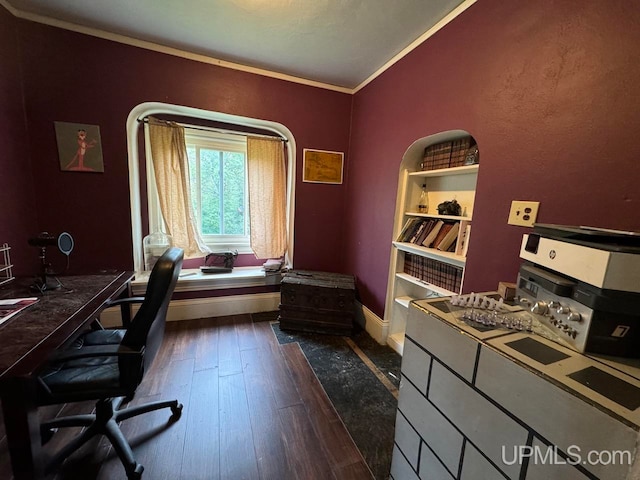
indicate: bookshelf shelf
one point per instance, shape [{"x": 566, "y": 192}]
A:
[
  {"x": 417, "y": 271},
  {"x": 447, "y": 257},
  {"x": 464, "y": 170},
  {"x": 435, "y": 215},
  {"x": 438, "y": 291}
]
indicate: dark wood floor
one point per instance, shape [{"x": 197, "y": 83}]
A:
[{"x": 253, "y": 409}]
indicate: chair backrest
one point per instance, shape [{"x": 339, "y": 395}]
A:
[{"x": 147, "y": 326}]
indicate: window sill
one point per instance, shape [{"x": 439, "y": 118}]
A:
[{"x": 193, "y": 280}]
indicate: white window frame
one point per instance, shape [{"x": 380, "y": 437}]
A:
[
  {"x": 157, "y": 108},
  {"x": 227, "y": 143},
  {"x": 216, "y": 141}
]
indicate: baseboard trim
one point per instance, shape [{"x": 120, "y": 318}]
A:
[
  {"x": 373, "y": 324},
  {"x": 194, "y": 308},
  {"x": 191, "y": 309},
  {"x": 396, "y": 342}
]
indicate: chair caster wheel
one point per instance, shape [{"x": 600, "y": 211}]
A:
[
  {"x": 176, "y": 411},
  {"x": 136, "y": 473}
]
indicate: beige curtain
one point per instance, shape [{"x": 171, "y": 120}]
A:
[
  {"x": 267, "y": 196},
  {"x": 171, "y": 169}
]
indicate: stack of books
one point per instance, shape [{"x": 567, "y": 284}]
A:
[{"x": 272, "y": 266}]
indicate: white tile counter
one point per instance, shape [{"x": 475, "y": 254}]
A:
[{"x": 490, "y": 403}]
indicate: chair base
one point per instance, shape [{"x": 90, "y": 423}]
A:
[{"x": 105, "y": 422}]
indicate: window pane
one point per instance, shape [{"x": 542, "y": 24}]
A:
[
  {"x": 218, "y": 185},
  {"x": 234, "y": 194},
  {"x": 210, "y": 191}
]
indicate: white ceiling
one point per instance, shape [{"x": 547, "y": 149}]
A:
[{"x": 336, "y": 42}]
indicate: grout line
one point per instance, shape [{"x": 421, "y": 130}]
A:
[{"x": 375, "y": 370}]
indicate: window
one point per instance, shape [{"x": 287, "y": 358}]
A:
[
  {"x": 134, "y": 125},
  {"x": 218, "y": 177}
]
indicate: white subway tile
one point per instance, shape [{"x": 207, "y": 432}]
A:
[
  {"x": 431, "y": 468},
  {"x": 415, "y": 365},
  {"x": 557, "y": 415},
  {"x": 483, "y": 423},
  {"x": 443, "y": 341},
  {"x": 441, "y": 436},
  {"x": 407, "y": 439},
  {"x": 540, "y": 468},
  {"x": 400, "y": 469},
  {"x": 476, "y": 467}
]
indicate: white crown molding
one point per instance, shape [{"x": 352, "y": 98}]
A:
[
  {"x": 417, "y": 42},
  {"x": 234, "y": 66},
  {"x": 94, "y": 32}
]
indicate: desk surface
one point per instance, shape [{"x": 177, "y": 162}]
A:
[{"x": 28, "y": 337}]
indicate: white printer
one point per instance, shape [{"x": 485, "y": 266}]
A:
[{"x": 583, "y": 285}]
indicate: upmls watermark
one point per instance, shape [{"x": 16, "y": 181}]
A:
[{"x": 551, "y": 455}]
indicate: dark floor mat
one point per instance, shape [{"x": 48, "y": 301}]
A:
[{"x": 364, "y": 403}]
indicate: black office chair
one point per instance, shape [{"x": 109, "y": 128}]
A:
[{"x": 107, "y": 366}]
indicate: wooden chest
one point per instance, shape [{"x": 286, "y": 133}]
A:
[{"x": 317, "y": 302}]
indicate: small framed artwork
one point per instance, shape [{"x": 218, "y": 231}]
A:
[
  {"x": 79, "y": 147},
  {"x": 322, "y": 166}
]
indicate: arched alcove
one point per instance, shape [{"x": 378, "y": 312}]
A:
[
  {"x": 419, "y": 270},
  {"x": 155, "y": 108}
]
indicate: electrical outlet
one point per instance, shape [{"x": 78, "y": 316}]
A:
[{"x": 523, "y": 213}]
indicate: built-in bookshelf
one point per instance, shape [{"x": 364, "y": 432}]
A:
[{"x": 424, "y": 265}]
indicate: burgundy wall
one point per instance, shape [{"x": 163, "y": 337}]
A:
[
  {"x": 547, "y": 88},
  {"x": 18, "y": 218},
  {"x": 549, "y": 91},
  {"x": 77, "y": 78}
]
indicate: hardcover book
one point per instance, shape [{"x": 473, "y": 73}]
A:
[
  {"x": 428, "y": 226},
  {"x": 441, "y": 234},
  {"x": 449, "y": 238},
  {"x": 407, "y": 229},
  {"x": 429, "y": 239}
]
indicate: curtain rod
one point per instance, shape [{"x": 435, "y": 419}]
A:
[{"x": 220, "y": 130}]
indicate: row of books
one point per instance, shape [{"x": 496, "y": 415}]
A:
[
  {"x": 449, "y": 154},
  {"x": 432, "y": 271},
  {"x": 430, "y": 233}
]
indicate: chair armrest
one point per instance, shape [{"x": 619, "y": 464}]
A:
[
  {"x": 122, "y": 301},
  {"x": 95, "y": 351}
]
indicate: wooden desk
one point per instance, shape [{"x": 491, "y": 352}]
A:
[{"x": 26, "y": 341}]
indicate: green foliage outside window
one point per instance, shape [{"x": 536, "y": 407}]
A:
[{"x": 218, "y": 190}]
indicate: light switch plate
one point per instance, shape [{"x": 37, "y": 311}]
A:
[{"x": 523, "y": 213}]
